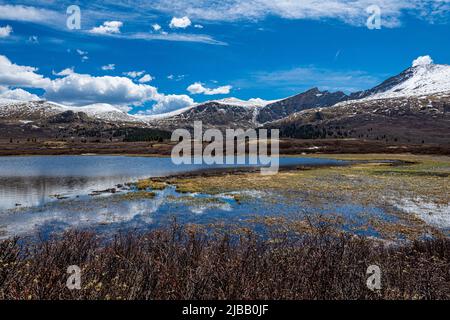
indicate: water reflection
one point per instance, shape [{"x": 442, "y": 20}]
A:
[{"x": 35, "y": 181}]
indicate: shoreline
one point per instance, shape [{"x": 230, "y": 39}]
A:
[{"x": 152, "y": 149}]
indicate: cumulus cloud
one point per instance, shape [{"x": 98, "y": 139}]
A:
[
  {"x": 76, "y": 89},
  {"x": 86, "y": 89},
  {"x": 181, "y": 23},
  {"x": 108, "y": 27},
  {"x": 5, "y": 31},
  {"x": 198, "y": 88},
  {"x": 422, "y": 61},
  {"x": 109, "y": 67},
  {"x": 167, "y": 103},
  {"x": 146, "y": 78},
  {"x": 20, "y": 76},
  {"x": 17, "y": 94}
]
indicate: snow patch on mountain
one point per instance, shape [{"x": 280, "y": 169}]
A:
[
  {"x": 251, "y": 103},
  {"x": 161, "y": 116},
  {"x": 104, "y": 111},
  {"x": 426, "y": 79}
]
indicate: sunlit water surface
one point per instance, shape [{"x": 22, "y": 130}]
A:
[{"x": 44, "y": 194}]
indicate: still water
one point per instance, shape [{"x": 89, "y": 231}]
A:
[
  {"x": 43, "y": 195},
  {"x": 35, "y": 181}
]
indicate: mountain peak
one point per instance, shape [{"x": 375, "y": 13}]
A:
[{"x": 424, "y": 77}]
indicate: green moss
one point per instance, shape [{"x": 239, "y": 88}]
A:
[{"x": 150, "y": 184}]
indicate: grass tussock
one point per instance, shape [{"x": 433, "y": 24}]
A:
[
  {"x": 188, "y": 263},
  {"x": 150, "y": 183}
]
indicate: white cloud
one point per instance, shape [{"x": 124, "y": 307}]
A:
[
  {"x": 156, "y": 27},
  {"x": 198, "y": 26},
  {"x": 83, "y": 55},
  {"x": 349, "y": 11},
  {"x": 20, "y": 76},
  {"x": 109, "y": 67},
  {"x": 108, "y": 27},
  {"x": 81, "y": 52},
  {"x": 5, "y": 31},
  {"x": 176, "y": 78},
  {"x": 17, "y": 94},
  {"x": 146, "y": 78},
  {"x": 198, "y": 88},
  {"x": 182, "y": 23},
  {"x": 64, "y": 72},
  {"x": 81, "y": 89},
  {"x": 134, "y": 74},
  {"x": 86, "y": 89},
  {"x": 422, "y": 61},
  {"x": 29, "y": 14},
  {"x": 164, "y": 36},
  {"x": 167, "y": 103}
]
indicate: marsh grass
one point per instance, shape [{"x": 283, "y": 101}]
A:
[{"x": 191, "y": 263}]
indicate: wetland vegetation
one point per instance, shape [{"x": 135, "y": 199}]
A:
[{"x": 305, "y": 233}]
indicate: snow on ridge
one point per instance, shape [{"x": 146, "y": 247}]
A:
[
  {"x": 160, "y": 116},
  {"x": 251, "y": 103},
  {"x": 426, "y": 79},
  {"x": 4, "y": 101},
  {"x": 232, "y": 101}
]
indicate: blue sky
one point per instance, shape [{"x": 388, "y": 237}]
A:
[{"x": 157, "y": 56}]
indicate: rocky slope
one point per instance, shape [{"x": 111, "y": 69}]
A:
[
  {"x": 403, "y": 119},
  {"x": 212, "y": 115},
  {"x": 310, "y": 99}
]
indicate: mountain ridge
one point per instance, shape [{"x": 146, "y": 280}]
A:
[{"x": 413, "y": 86}]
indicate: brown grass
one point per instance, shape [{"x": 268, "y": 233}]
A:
[{"x": 188, "y": 263}]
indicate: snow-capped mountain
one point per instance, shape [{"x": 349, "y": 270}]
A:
[
  {"x": 216, "y": 114},
  {"x": 105, "y": 112},
  {"x": 412, "y": 107},
  {"x": 418, "y": 91},
  {"x": 422, "y": 78},
  {"x": 40, "y": 110}
]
